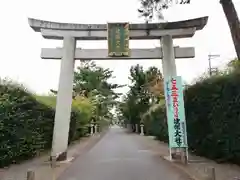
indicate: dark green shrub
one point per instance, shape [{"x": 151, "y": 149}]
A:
[
  {"x": 26, "y": 125},
  {"x": 78, "y": 125},
  {"x": 213, "y": 118},
  {"x": 156, "y": 124}
]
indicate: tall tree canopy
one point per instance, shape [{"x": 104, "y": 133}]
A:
[
  {"x": 151, "y": 8},
  {"x": 141, "y": 96},
  {"x": 92, "y": 81},
  {"x": 89, "y": 77}
]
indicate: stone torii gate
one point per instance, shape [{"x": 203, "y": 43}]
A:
[{"x": 69, "y": 33}]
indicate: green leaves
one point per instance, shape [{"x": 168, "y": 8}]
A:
[
  {"x": 26, "y": 123},
  {"x": 137, "y": 100},
  {"x": 92, "y": 81},
  {"x": 212, "y": 112},
  {"x": 90, "y": 77},
  {"x": 22, "y": 132}
]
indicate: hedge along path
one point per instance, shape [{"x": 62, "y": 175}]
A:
[
  {"x": 26, "y": 125},
  {"x": 212, "y": 116}
]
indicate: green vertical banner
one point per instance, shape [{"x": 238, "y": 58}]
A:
[
  {"x": 118, "y": 39},
  {"x": 175, "y": 112}
]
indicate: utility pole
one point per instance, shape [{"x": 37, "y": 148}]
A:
[{"x": 210, "y": 57}]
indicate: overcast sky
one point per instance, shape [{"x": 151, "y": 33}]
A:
[{"x": 20, "y": 45}]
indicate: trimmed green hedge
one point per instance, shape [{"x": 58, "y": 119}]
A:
[
  {"x": 213, "y": 118},
  {"x": 26, "y": 125},
  {"x": 156, "y": 124}
]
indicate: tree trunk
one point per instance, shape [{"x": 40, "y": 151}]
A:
[{"x": 233, "y": 22}]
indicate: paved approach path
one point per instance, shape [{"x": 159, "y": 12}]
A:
[{"x": 121, "y": 156}]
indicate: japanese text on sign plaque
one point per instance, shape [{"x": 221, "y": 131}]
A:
[
  {"x": 175, "y": 112},
  {"x": 118, "y": 39}
]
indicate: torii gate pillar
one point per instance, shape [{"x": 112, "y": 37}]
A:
[
  {"x": 64, "y": 100},
  {"x": 168, "y": 60},
  {"x": 169, "y": 68}
]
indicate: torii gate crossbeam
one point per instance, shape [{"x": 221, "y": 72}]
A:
[{"x": 101, "y": 54}]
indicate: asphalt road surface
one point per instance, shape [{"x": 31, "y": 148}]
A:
[{"x": 120, "y": 156}]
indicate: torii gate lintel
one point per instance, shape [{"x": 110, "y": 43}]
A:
[{"x": 101, "y": 54}]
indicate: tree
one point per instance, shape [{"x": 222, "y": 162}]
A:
[
  {"x": 150, "y": 8},
  {"x": 89, "y": 77},
  {"x": 91, "y": 81},
  {"x": 233, "y": 23},
  {"x": 155, "y": 84},
  {"x": 140, "y": 97},
  {"x": 233, "y": 65}
]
